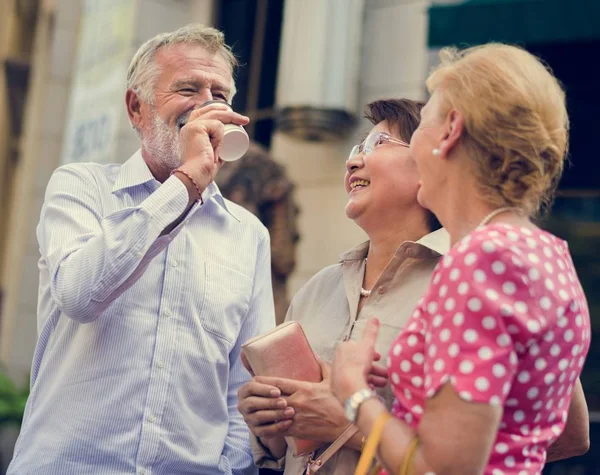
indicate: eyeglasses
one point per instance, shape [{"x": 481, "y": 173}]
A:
[{"x": 373, "y": 140}]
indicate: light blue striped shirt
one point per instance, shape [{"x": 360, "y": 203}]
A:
[{"x": 137, "y": 365}]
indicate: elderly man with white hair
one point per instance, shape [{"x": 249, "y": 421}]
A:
[{"x": 150, "y": 281}]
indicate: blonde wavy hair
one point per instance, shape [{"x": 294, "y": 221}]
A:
[{"x": 516, "y": 122}]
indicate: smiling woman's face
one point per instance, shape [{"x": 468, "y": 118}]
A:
[{"x": 386, "y": 177}]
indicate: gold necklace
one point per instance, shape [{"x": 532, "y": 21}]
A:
[{"x": 495, "y": 213}]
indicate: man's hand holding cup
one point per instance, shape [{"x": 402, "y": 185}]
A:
[{"x": 202, "y": 131}]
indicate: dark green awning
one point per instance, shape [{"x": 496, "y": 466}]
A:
[{"x": 514, "y": 21}]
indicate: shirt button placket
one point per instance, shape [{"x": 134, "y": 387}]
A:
[{"x": 163, "y": 348}]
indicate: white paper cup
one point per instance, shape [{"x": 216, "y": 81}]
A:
[{"x": 235, "y": 143}]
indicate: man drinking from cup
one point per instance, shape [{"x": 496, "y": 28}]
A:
[{"x": 150, "y": 281}]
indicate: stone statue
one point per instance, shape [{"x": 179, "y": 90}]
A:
[{"x": 260, "y": 185}]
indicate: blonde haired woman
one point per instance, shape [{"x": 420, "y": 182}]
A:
[{"x": 485, "y": 371}]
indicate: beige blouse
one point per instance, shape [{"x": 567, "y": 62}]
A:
[{"x": 327, "y": 305}]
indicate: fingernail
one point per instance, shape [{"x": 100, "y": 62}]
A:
[
  {"x": 289, "y": 411},
  {"x": 275, "y": 392},
  {"x": 282, "y": 403}
]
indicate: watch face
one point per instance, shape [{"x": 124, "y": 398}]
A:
[{"x": 354, "y": 401}]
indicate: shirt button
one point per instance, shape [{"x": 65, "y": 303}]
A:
[
  {"x": 160, "y": 365},
  {"x": 168, "y": 313},
  {"x": 174, "y": 263},
  {"x": 139, "y": 254},
  {"x": 381, "y": 290},
  {"x": 152, "y": 419},
  {"x": 142, "y": 472}
]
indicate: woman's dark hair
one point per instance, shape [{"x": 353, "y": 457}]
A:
[{"x": 402, "y": 117}]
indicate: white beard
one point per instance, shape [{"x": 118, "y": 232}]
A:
[{"x": 163, "y": 144}]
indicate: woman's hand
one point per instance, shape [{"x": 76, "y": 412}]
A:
[
  {"x": 266, "y": 413},
  {"x": 353, "y": 363},
  {"x": 264, "y": 410},
  {"x": 318, "y": 415}
]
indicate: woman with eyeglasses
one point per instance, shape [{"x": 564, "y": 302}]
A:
[
  {"x": 485, "y": 372},
  {"x": 383, "y": 277}
]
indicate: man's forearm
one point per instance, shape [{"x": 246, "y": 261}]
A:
[
  {"x": 193, "y": 196},
  {"x": 106, "y": 255}
]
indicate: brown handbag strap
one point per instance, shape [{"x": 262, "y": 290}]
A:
[{"x": 315, "y": 464}]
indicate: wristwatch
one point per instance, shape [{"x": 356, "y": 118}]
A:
[{"x": 353, "y": 403}]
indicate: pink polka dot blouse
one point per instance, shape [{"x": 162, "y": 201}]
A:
[{"x": 506, "y": 323}]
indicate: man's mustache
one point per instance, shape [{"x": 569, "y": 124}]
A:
[{"x": 183, "y": 118}]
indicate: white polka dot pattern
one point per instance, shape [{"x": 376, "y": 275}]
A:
[{"x": 506, "y": 323}]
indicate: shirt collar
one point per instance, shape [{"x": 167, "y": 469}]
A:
[
  {"x": 135, "y": 172},
  {"x": 356, "y": 253},
  {"x": 213, "y": 191},
  {"x": 437, "y": 241}
]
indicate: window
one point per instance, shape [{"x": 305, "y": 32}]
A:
[{"x": 253, "y": 29}]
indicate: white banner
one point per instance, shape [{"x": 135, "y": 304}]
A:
[{"x": 99, "y": 81}]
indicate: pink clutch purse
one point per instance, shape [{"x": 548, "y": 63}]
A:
[{"x": 284, "y": 352}]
